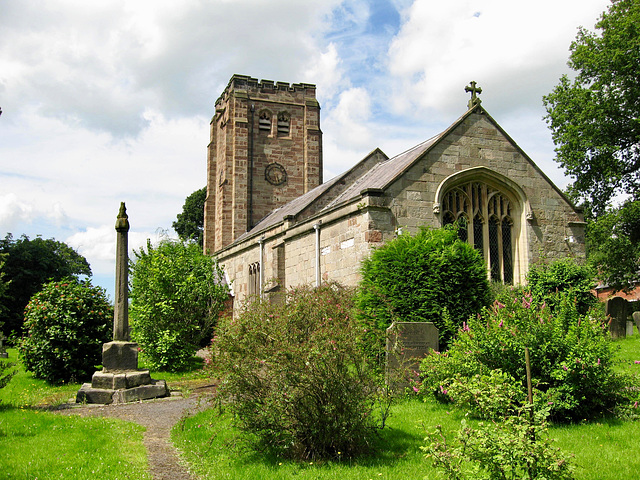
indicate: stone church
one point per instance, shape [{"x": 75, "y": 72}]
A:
[{"x": 272, "y": 223}]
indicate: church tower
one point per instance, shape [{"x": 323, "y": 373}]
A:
[{"x": 265, "y": 150}]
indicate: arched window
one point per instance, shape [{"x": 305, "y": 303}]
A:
[
  {"x": 490, "y": 231},
  {"x": 254, "y": 279}
]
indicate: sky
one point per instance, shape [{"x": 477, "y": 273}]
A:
[{"x": 108, "y": 102}]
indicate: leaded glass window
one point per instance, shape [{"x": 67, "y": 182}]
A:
[{"x": 490, "y": 231}]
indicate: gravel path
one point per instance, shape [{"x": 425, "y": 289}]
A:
[{"x": 158, "y": 417}]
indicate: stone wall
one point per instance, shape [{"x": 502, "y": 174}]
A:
[
  {"x": 247, "y": 136},
  {"x": 545, "y": 223}
]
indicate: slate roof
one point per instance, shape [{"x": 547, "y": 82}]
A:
[{"x": 379, "y": 176}]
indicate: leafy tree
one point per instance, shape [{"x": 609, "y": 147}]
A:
[
  {"x": 614, "y": 245},
  {"x": 3, "y": 288},
  {"x": 594, "y": 118},
  {"x": 28, "y": 266},
  {"x": 190, "y": 223},
  {"x": 67, "y": 322},
  {"x": 430, "y": 277},
  {"x": 177, "y": 293}
]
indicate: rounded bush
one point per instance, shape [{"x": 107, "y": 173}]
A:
[
  {"x": 177, "y": 293},
  {"x": 571, "y": 356},
  {"x": 296, "y": 377},
  {"x": 66, "y": 324},
  {"x": 429, "y": 277}
]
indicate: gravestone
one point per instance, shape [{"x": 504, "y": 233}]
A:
[
  {"x": 3, "y": 352},
  {"x": 636, "y": 319},
  {"x": 617, "y": 312},
  {"x": 407, "y": 344},
  {"x": 120, "y": 381}
]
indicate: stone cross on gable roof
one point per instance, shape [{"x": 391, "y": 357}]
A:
[{"x": 471, "y": 88}]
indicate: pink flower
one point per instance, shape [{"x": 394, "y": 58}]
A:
[
  {"x": 501, "y": 323},
  {"x": 416, "y": 389},
  {"x": 465, "y": 327},
  {"x": 598, "y": 361},
  {"x": 637, "y": 362},
  {"x": 499, "y": 305},
  {"x": 443, "y": 390}
]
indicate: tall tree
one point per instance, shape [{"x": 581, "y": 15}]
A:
[
  {"x": 29, "y": 264},
  {"x": 614, "y": 245},
  {"x": 190, "y": 223},
  {"x": 595, "y": 118}
]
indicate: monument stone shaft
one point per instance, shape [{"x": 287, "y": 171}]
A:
[
  {"x": 121, "y": 305},
  {"x": 120, "y": 380}
]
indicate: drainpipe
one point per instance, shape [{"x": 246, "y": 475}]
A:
[
  {"x": 261, "y": 274},
  {"x": 252, "y": 109},
  {"x": 316, "y": 227}
]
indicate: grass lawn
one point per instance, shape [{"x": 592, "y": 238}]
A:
[
  {"x": 603, "y": 450},
  {"x": 35, "y": 443}
]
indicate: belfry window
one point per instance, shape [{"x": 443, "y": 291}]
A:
[
  {"x": 284, "y": 123},
  {"x": 265, "y": 121},
  {"x": 490, "y": 231}
]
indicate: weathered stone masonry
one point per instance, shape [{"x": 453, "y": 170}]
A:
[{"x": 472, "y": 172}]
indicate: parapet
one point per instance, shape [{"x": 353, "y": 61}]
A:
[{"x": 253, "y": 85}]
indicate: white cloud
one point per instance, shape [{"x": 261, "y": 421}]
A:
[
  {"x": 106, "y": 102},
  {"x": 515, "y": 51},
  {"x": 13, "y": 211}
]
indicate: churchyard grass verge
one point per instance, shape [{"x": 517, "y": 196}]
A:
[
  {"x": 602, "y": 450},
  {"x": 36, "y": 443}
]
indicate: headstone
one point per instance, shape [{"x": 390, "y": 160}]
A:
[
  {"x": 636, "y": 319},
  {"x": 407, "y": 344},
  {"x": 617, "y": 312},
  {"x": 629, "y": 328},
  {"x": 120, "y": 381},
  {"x": 3, "y": 352}
]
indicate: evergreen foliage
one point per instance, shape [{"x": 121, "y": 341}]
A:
[
  {"x": 66, "y": 324},
  {"x": 429, "y": 277},
  {"x": 177, "y": 293}
]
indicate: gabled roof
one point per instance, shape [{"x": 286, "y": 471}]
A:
[{"x": 375, "y": 173}]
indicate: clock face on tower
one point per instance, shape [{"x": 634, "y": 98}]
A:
[{"x": 275, "y": 174}]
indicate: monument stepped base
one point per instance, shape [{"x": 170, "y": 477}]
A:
[{"x": 121, "y": 387}]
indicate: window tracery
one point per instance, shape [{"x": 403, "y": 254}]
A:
[{"x": 490, "y": 231}]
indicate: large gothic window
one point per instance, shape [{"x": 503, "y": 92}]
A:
[{"x": 484, "y": 217}]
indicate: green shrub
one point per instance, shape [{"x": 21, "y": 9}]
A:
[
  {"x": 296, "y": 377},
  {"x": 514, "y": 447},
  {"x": 548, "y": 284},
  {"x": 417, "y": 278},
  {"x": 177, "y": 293},
  {"x": 571, "y": 355},
  {"x": 66, "y": 324}
]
